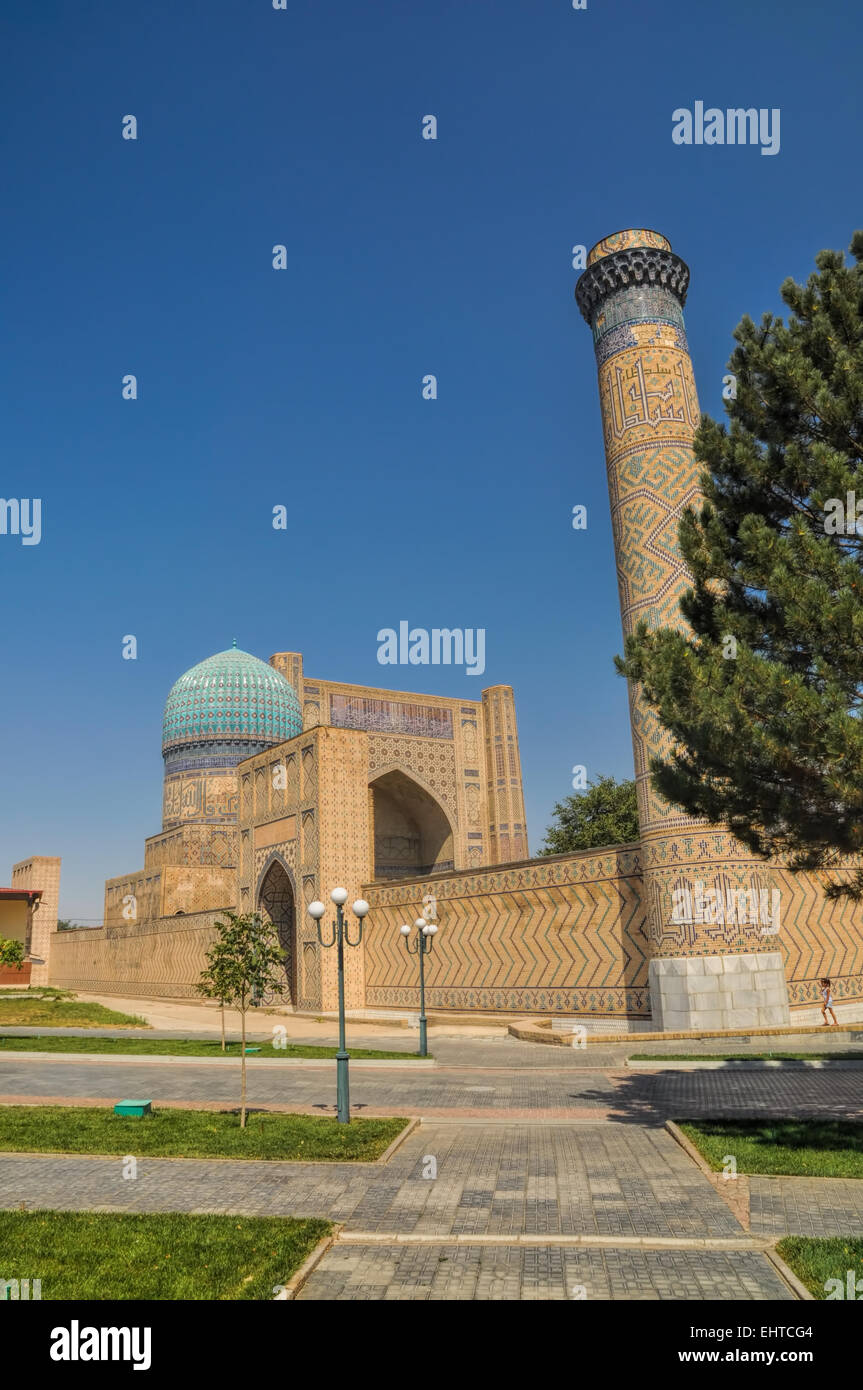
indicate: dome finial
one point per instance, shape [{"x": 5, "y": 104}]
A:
[{"x": 234, "y": 644}]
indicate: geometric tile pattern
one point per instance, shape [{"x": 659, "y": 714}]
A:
[
  {"x": 192, "y": 844},
  {"x": 156, "y": 959},
  {"x": 650, "y": 413},
  {"x": 818, "y": 937},
  {"x": 632, "y": 295},
  {"x": 507, "y": 829},
  {"x": 632, "y": 237},
  {"x": 431, "y": 761},
  {"x": 548, "y": 1273},
  {"x": 230, "y": 695},
  {"x": 561, "y": 935}
]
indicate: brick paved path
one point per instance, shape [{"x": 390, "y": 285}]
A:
[
  {"x": 548, "y": 1273},
  {"x": 500, "y": 1180},
  {"x": 607, "y": 1198},
  {"x": 806, "y": 1206},
  {"x": 556, "y": 1093},
  {"x": 607, "y": 1185}
]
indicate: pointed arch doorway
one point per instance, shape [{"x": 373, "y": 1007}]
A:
[
  {"x": 276, "y": 904},
  {"x": 412, "y": 834}
]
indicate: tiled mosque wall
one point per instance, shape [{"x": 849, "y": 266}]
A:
[
  {"x": 567, "y": 935},
  {"x": 561, "y": 935},
  {"x": 558, "y": 935},
  {"x": 160, "y": 959},
  {"x": 171, "y": 889}
]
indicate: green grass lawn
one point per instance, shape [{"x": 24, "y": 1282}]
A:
[
  {"x": 799, "y": 1148},
  {"x": 19, "y": 1010},
  {"x": 183, "y": 1047},
  {"x": 748, "y": 1056},
  {"x": 36, "y": 992},
  {"x": 816, "y": 1261},
  {"x": 94, "y": 1255},
  {"x": 192, "y": 1134}
]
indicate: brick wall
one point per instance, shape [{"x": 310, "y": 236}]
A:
[
  {"x": 557, "y": 935},
  {"x": 159, "y": 959}
]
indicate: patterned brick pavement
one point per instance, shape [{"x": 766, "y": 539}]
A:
[
  {"x": 571, "y": 1093},
  {"x": 547, "y": 1273},
  {"x": 591, "y": 1163},
  {"x": 806, "y": 1206},
  {"x": 501, "y": 1180},
  {"x": 503, "y": 1092},
  {"x": 757, "y": 1094}
]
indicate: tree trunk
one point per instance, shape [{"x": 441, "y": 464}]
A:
[
  {"x": 223, "y": 1025},
  {"x": 243, "y": 1068}
]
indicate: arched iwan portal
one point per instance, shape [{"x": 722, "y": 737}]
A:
[
  {"x": 276, "y": 905},
  {"x": 412, "y": 834}
]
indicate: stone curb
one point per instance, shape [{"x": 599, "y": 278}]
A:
[
  {"x": 760, "y": 1244},
  {"x": 518, "y": 1120},
  {"x": 738, "y": 1199},
  {"x": 427, "y": 1115},
  {"x": 689, "y": 1149},
  {"x": 151, "y": 1059},
  {"x": 745, "y": 1064},
  {"x": 295, "y": 1283},
  {"x": 408, "y": 1130},
  {"x": 528, "y": 1030},
  {"x": 790, "y": 1278}
]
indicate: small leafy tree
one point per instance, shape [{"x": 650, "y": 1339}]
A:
[
  {"x": 11, "y": 952},
  {"x": 242, "y": 962},
  {"x": 605, "y": 814}
]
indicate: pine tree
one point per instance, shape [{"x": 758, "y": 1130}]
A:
[
  {"x": 763, "y": 696},
  {"x": 605, "y": 814}
]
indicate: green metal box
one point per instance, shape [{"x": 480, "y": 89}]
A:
[{"x": 133, "y": 1108}]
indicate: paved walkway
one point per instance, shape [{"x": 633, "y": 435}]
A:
[
  {"x": 461, "y": 1047},
  {"x": 514, "y": 1212},
  {"x": 806, "y": 1206},
  {"x": 538, "y": 1177},
  {"x": 569, "y": 1092},
  {"x": 549, "y": 1273},
  {"x": 190, "y": 1018},
  {"x": 505, "y": 1180}
]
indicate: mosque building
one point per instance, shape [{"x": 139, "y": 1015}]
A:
[
  {"x": 279, "y": 787},
  {"x": 276, "y": 783}
]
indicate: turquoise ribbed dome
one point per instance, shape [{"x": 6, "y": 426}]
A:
[{"x": 230, "y": 697}]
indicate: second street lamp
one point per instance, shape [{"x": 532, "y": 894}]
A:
[
  {"x": 340, "y": 935},
  {"x": 424, "y": 939}
]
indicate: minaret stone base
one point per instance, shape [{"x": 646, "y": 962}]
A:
[{"x": 710, "y": 993}]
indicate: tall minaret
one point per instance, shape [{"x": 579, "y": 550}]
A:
[{"x": 711, "y": 915}]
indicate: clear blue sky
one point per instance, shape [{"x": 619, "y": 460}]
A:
[{"x": 406, "y": 257}]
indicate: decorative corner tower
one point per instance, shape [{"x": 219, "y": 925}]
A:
[
  {"x": 712, "y": 913},
  {"x": 506, "y": 818}
]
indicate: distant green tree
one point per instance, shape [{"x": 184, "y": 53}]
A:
[
  {"x": 65, "y": 924},
  {"x": 605, "y": 814},
  {"x": 11, "y": 952},
  {"x": 243, "y": 962}
]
